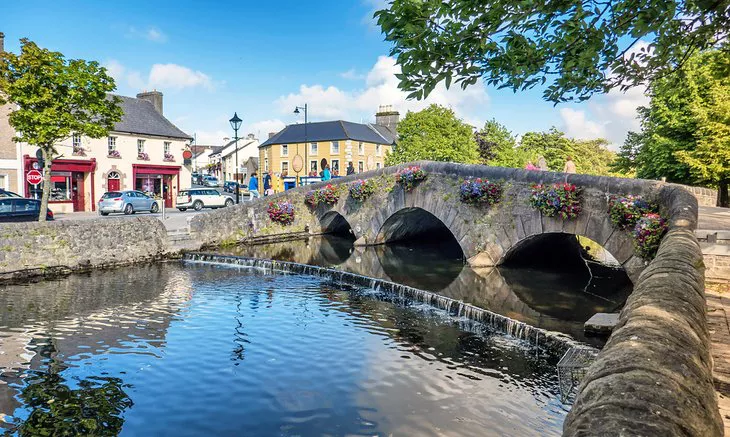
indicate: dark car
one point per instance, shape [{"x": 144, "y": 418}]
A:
[
  {"x": 229, "y": 186},
  {"x": 18, "y": 209}
]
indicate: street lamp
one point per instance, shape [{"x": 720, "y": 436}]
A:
[
  {"x": 306, "y": 163},
  {"x": 236, "y": 124}
]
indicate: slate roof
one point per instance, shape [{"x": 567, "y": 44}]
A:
[
  {"x": 333, "y": 130},
  {"x": 141, "y": 117}
]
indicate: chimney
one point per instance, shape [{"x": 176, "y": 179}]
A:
[
  {"x": 154, "y": 97},
  {"x": 226, "y": 140},
  {"x": 271, "y": 134},
  {"x": 2, "y": 42},
  {"x": 387, "y": 116}
]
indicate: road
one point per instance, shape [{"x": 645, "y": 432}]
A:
[{"x": 174, "y": 219}]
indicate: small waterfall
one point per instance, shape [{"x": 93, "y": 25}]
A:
[{"x": 469, "y": 317}]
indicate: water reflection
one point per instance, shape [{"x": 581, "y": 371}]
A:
[{"x": 554, "y": 300}]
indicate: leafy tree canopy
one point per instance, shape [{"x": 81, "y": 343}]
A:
[
  {"x": 55, "y": 98},
  {"x": 568, "y": 46},
  {"x": 434, "y": 134},
  {"x": 685, "y": 130}
]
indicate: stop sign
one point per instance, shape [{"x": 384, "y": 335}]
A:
[{"x": 34, "y": 177}]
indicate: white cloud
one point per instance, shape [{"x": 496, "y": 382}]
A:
[
  {"x": 372, "y": 7},
  {"x": 150, "y": 34},
  {"x": 577, "y": 126},
  {"x": 262, "y": 128},
  {"x": 351, "y": 74},
  {"x": 211, "y": 138},
  {"x": 380, "y": 87},
  {"x": 161, "y": 76}
]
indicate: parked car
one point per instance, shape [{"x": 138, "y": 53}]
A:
[
  {"x": 127, "y": 202},
  {"x": 197, "y": 178},
  {"x": 19, "y": 209},
  {"x": 230, "y": 186},
  {"x": 210, "y": 181},
  {"x": 5, "y": 193},
  {"x": 199, "y": 198}
]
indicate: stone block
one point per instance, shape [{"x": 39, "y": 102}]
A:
[{"x": 601, "y": 323}]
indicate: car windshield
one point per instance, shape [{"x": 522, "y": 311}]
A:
[
  {"x": 183, "y": 193},
  {"x": 111, "y": 194}
]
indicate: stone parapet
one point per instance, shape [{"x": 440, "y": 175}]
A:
[{"x": 704, "y": 196}]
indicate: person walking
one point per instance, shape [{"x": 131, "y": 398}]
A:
[
  {"x": 326, "y": 175},
  {"x": 542, "y": 163},
  {"x": 350, "y": 168},
  {"x": 253, "y": 187},
  {"x": 267, "y": 183},
  {"x": 569, "y": 166}
]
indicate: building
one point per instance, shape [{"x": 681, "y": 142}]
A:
[
  {"x": 333, "y": 143},
  {"x": 10, "y": 174},
  {"x": 143, "y": 152},
  {"x": 247, "y": 148},
  {"x": 201, "y": 155}
]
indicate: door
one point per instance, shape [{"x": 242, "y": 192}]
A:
[
  {"x": 77, "y": 191},
  {"x": 113, "y": 181},
  {"x": 167, "y": 190}
]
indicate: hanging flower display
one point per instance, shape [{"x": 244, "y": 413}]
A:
[
  {"x": 328, "y": 194},
  {"x": 556, "y": 200},
  {"x": 281, "y": 212},
  {"x": 480, "y": 192},
  {"x": 362, "y": 189},
  {"x": 648, "y": 233},
  {"x": 409, "y": 177},
  {"x": 625, "y": 211}
]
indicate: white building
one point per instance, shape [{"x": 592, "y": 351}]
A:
[
  {"x": 247, "y": 148},
  {"x": 145, "y": 151}
]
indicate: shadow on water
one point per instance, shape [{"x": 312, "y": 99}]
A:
[{"x": 558, "y": 297}]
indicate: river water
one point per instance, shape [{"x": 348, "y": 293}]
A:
[{"x": 189, "y": 349}]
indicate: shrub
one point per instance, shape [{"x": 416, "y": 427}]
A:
[
  {"x": 557, "y": 199},
  {"x": 281, "y": 212},
  {"x": 362, "y": 189},
  {"x": 648, "y": 233},
  {"x": 409, "y": 177},
  {"x": 625, "y": 211},
  {"x": 480, "y": 191},
  {"x": 328, "y": 194}
]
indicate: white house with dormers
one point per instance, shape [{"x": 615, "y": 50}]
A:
[{"x": 144, "y": 152}]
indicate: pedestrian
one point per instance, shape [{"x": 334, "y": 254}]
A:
[
  {"x": 267, "y": 183},
  {"x": 569, "y": 166},
  {"x": 542, "y": 163},
  {"x": 253, "y": 187},
  {"x": 350, "y": 168},
  {"x": 530, "y": 166},
  {"x": 326, "y": 175}
]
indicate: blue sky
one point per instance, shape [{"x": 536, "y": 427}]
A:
[{"x": 263, "y": 58}]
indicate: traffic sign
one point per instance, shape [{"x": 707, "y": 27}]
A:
[{"x": 34, "y": 177}]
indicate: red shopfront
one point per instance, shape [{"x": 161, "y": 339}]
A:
[
  {"x": 157, "y": 180},
  {"x": 68, "y": 183}
]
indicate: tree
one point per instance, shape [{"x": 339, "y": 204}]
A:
[
  {"x": 569, "y": 45},
  {"x": 497, "y": 146},
  {"x": 55, "y": 98},
  {"x": 435, "y": 134},
  {"x": 685, "y": 130}
]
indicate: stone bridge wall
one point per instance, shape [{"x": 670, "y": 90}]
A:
[{"x": 704, "y": 196}]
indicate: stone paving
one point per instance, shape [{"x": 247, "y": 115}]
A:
[{"x": 718, "y": 319}]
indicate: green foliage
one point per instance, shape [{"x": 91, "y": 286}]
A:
[
  {"x": 498, "y": 147},
  {"x": 56, "y": 97},
  {"x": 360, "y": 190},
  {"x": 95, "y": 408},
  {"x": 558, "y": 199},
  {"x": 434, "y": 134},
  {"x": 565, "y": 47},
  {"x": 685, "y": 134},
  {"x": 625, "y": 211},
  {"x": 409, "y": 177},
  {"x": 648, "y": 234},
  {"x": 328, "y": 194}
]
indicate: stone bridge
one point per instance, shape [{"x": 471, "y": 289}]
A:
[{"x": 487, "y": 235}]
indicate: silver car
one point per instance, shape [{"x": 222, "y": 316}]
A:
[{"x": 127, "y": 202}]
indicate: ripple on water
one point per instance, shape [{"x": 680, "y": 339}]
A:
[{"x": 212, "y": 350}]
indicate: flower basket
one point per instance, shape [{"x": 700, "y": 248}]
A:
[
  {"x": 556, "y": 200},
  {"x": 281, "y": 212},
  {"x": 480, "y": 192},
  {"x": 625, "y": 211},
  {"x": 328, "y": 194},
  {"x": 360, "y": 190},
  {"x": 409, "y": 177},
  {"x": 78, "y": 151},
  {"x": 169, "y": 157},
  {"x": 648, "y": 233},
  {"x": 114, "y": 154},
  {"x": 142, "y": 156}
]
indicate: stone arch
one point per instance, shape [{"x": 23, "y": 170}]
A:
[
  {"x": 334, "y": 222},
  {"x": 410, "y": 222},
  {"x": 105, "y": 178}
]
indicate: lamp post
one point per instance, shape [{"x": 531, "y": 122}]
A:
[
  {"x": 236, "y": 124},
  {"x": 306, "y": 163}
]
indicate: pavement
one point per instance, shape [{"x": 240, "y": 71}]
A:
[{"x": 714, "y": 218}]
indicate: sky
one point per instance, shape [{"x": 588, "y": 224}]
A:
[{"x": 262, "y": 59}]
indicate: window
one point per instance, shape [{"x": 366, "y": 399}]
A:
[
  {"x": 377, "y": 150},
  {"x": 111, "y": 144},
  {"x": 313, "y": 168},
  {"x": 377, "y": 165},
  {"x": 76, "y": 141},
  {"x": 284, "y": 150},
  {"x": 6, "y": 206},
  {"x": 361, "y": 148},
  {"x": 26, "y": 205},
  {"x": 313, "y": 149},
  {"x": 3, "y": 181},
  {"x": 335, "y": 148},
  {"x": 140, "y": 146},
  {"x": 284, "y": 168},
  {"x": 360, "y": 166},
  {"x": 266, "y": 164},
  {"x": 166, "y": 147},
  {"x": 335, "y": 167}
]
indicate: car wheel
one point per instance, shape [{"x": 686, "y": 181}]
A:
[
  {"x": 182, "y": 209},
  {"x": 104, "y": 213},
  {"x": 198, "y": 205},
  {"x": 154, "y": 208},
  {"x": 128, "y": 209},
  {"x": 229, "y": 202}
]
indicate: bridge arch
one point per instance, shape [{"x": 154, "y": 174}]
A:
[{"x": 334, "y": 222}]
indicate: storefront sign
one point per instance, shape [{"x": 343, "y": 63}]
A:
[{"x": 34, "y": 177}]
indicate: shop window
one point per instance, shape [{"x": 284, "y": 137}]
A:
[
  {"x": 60, "y": 187},
  {"x": 313, "y": 149},
  {"x": 284, "y": 150},
  {"x": 335, "y": 148}
]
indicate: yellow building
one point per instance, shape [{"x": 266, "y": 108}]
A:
[{"x": 332, "y": 143}]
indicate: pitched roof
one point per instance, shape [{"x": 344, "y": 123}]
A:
[
  {"x": 332, "y": 130},
  {"x": 141, "y": 117}
]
